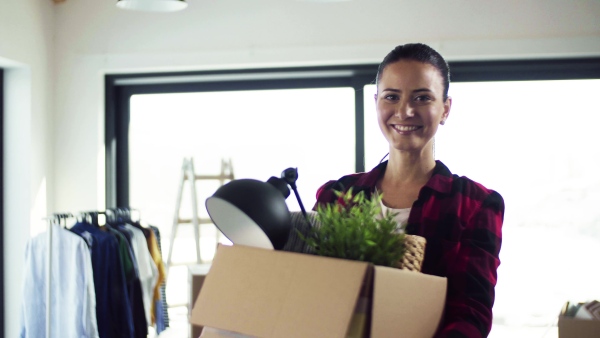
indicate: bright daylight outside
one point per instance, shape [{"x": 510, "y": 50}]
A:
[
  {"x": 535, "y": 142},
  {"x": 261, "y": 132}
]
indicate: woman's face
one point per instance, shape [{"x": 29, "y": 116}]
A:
[{"x": 410, "y": 104}]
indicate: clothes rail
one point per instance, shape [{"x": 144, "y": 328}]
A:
[{"x": 115, "y": 235}]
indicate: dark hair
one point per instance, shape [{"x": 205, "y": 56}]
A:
[{"x": 418, "y": 52}]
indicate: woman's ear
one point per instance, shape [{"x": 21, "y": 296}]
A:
[{"x": 446, "y": 113}]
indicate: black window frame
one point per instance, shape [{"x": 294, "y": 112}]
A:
[
  {"x": 2, "y": 200},
  {"x": 120, "y": 87}
]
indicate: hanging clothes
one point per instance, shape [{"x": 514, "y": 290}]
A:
[
  {"x": 161, "y": 272},
  {"x": 148, "y": 272},
  {"x": 161, "y": 309},
  {"x": 73, "y": 299},
  {"x": 113, "y": 310},
  {"x": 132, "y": 280}
]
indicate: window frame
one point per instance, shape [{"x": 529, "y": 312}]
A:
[
  {"x": 2, "y": 199},
  {"x": 120, "y": 87}
]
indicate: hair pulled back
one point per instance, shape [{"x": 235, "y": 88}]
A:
[{"x": 418, "y": 52}]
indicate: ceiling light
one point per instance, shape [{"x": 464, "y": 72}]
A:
[{"x": 152, "y": 5}]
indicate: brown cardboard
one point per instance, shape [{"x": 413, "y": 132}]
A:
[
  {"x": 569, "y": 327},
  {"x": 267, "y": 293},
  {"x": 415, "y": 313},
  {"x": 196, "y": 275}
]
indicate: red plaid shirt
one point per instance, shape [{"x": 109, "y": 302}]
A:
[{"x": 462, "y": 222}]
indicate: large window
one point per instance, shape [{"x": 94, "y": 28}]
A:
[
  {"x": 261, "y": 132},
  {"x": 523, "y": 128},
  {"x": 264, "y": 125}
]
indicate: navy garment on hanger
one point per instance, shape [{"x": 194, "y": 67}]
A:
[{"x": 113, "y": 311}]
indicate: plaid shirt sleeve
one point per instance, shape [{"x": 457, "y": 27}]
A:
[{"x": 472, "y": 274}]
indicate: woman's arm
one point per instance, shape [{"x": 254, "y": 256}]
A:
[{"x": 472, "y": 278}]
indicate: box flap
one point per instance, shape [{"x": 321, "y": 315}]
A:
[
  {"x": 268, "y": 293},
  {"x": 408, "y": 302}
]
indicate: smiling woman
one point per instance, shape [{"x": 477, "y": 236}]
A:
[{"x": 460, "y": 219}]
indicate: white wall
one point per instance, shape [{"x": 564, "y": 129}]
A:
[
  {"x": 26, "y": 28},
  {"x": 95, "y": 38}
]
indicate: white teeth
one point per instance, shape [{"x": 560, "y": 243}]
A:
[{"x": 406, "y": 128}]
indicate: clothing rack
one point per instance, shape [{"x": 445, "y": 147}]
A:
[
  {"x": 61, "y": 220},
  {"x": 93, "y": 217}
]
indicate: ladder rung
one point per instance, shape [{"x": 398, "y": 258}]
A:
[
  {"x": 170, "y": 305},
  {"x": 200, "y": 221},
  {"x": 213, "y": 177},
  {"x": 182, "y": 264},
  {"x": 189, "y": 176}
]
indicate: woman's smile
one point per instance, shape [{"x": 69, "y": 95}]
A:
[{"x": 405, "y": 129}]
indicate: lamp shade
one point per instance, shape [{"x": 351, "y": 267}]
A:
[
  {"x": 152, "y": 5},
  {"x": 251, "y": 212}
]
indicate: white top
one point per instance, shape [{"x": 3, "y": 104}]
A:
[
  {"x": 146, "y": 267},
  {"x": 401, "y": 214},
  {"x": 73, "y": 297}
]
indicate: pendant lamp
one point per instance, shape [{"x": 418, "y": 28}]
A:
[{"x": 152, "y": 5}]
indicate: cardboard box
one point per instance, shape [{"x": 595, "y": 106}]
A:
[
  {"x": 196, "y": 275},
  {"x": 266, "y": 293},
  {"x": 570, "y": 327}
]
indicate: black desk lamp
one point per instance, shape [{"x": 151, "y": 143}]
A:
[{"x": 254, "y": 213}]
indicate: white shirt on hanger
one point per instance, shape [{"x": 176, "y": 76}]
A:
[
  {"x": 73, "y": 297},
  {"x": 147, "y": 268}
]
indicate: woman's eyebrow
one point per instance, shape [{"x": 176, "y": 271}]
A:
[{"x": 414, "y": 91}]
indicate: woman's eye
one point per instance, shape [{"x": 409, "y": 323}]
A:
[
  {"x": 423, "y": 98},
  {"x": 391, "y": 97}
]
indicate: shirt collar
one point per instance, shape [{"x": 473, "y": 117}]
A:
[{"x": 440, "y": 181}]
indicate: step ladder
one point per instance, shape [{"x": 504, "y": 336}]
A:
[{"x": 188, "y": 175}]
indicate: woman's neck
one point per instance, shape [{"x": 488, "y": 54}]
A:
[
  {"x": 403, "y": 179},
  {"x": 405, "y": 168}
]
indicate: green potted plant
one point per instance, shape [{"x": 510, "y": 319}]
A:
[{"x": 352, "y": 228}]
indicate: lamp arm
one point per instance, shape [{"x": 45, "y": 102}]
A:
[
  {"x": 301, "y": 205},
  {"x": 290, "y": 175}
]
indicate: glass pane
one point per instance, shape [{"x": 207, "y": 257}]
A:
[
  {"x": 376, "y": 146},
  {"x": 536, "y": 143},
  {"x": 262, "y": 132}
]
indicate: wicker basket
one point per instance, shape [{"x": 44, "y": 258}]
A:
[{"x": 415, "y": 252}]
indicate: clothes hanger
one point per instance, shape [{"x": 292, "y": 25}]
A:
[
  {"x": 61, "y": 218},
  {"x": 91, "y": 217}
]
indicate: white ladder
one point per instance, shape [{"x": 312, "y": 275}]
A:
[{"x": 188, "y": 174}]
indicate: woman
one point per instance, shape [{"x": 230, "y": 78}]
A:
[{"x": 460, "y": 219}]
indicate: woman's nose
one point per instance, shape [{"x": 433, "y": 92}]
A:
[{"x": 404, "y": 110}]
